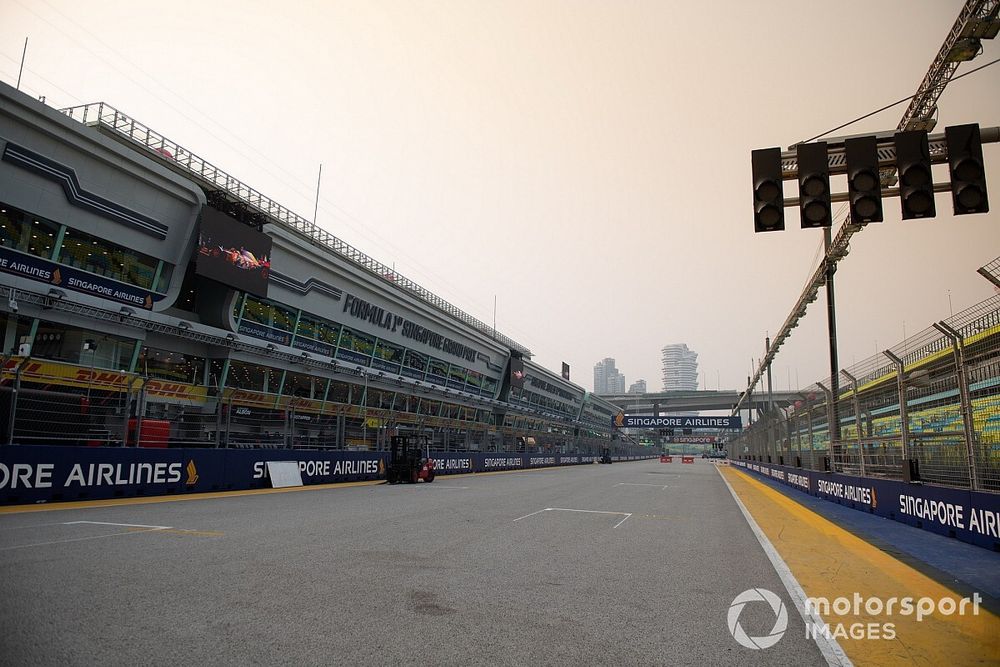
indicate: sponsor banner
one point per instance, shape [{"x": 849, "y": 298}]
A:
[
  {"x": 43, "y": 473},
  {"x": 66, "y": 277},
  {"x": 692, "y": 439},
  {"x": 452, "y": 464},
  {"x": 264, "y": 332},
  {"x": 621, "y": 420},
  {"x": 382, "y": 365},
  {"x": 69, "y": 375},
  {"x": 314, "y": 346},
  {"x": 970, "y": 516},
  {"x": 31, "y": 473}
]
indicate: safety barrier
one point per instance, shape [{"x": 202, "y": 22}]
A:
[
  {"x": 970, "y": 516},
  {"x": 39, "y": 473}
]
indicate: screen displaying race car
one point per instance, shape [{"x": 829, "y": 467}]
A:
[{"x": 233, "y": 253}]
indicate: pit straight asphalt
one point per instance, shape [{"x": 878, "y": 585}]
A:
[{"x": 633, "y": 563}]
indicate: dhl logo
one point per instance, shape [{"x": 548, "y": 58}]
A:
[{"x": 74, "y": 376}]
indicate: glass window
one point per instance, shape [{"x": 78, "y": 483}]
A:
[
  {"x": 318, "y": 329},
  {"x": 246, "y": 376},
  {"x": 167, "y": 365},
  {"x": 27, "y": 233},
  {"x": 338, "y": 391},
  {"x": 428, "y": 407},
  {"x": 303, "y": 386},
  {"x": 456, "y": 374},
  {"x": 437, "y": 367},
  {"x": 269, "y": 314},
  {"x": 357, "y": 342},
  {"x": 108, "y": 259},
  {"x": 416, "y": 361},
  {"x": 388, "y": 352},
  {"x": 475, "y": 381},
  {"x": 73, "y": 345},
  {"x": 490, "y": 385},
  {"x": 376, "y": 398},
  {"x": 215, "y": 372}
]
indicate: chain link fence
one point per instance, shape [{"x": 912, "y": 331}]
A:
[{"x": 927, "y": 409}]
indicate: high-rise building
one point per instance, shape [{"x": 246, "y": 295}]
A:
[
  {"x": 607, "y": 378},
  {"x": 680, "y": 368},
  {"x": 638, "y": 387}
]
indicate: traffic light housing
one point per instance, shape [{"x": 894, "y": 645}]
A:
[
  {"x": 814, "y": 185},
  {"x": 965, "y": 166},
  {"x": 768, "y": 195},
  {"x": 864, "y": 183},
  {"x": 916, "y": 185}
]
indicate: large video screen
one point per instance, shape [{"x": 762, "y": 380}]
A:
[
  {"x": 516, "y": 372},
  {"x": 233, "y": 253}
]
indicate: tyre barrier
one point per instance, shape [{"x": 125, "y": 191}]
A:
[{"x": 44, "y": 473}]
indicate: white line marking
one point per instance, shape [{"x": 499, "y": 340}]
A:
[
  {"x": 532, "y": 514},
  {"x": 127, "y": 525},
  {"x": 563, "y": 509},
  {"x": 78, "y": 539},
  {"x": 32, "y": 525},
  {"x": 828, "y": 646},
  {"x": 566, "y": 509}
]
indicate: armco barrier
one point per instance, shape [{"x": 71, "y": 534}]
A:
[
  {"x": 970, "y": 516},
  {"x": 40, "y": 473}
]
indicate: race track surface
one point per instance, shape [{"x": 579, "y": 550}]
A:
[{"x": 633, "y": 563}]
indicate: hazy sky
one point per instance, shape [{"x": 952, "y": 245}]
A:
[{"x": 586, "y": 162}]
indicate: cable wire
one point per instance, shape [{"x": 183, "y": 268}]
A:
[{"x": 889, "y": 106}]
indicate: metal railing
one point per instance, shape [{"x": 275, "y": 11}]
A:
[
  {"x": 210, "y": 176},
  {"x": 128, "y": 410},
  {"x": 927, "y": 409}
]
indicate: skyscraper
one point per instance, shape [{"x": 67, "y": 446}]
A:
[
  {"x": 680, "y": 368},
  {"x": 638, "y": 387},
  {"x": 607, "y": 378}
]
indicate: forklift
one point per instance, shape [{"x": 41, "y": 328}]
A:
[{"x": 408, "y": 461}]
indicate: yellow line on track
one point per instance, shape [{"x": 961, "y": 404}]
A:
[{"x": 831, "y": 563}]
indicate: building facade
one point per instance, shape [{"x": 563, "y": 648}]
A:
[
  {"x": 142, "y": 286},
  {"x": 607, "y": 378},
  {"x": 637, "y": 387},
  {"x": 680, "y": 368}
]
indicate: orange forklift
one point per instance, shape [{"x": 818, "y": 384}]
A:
[{"x": 408, "y": 461}]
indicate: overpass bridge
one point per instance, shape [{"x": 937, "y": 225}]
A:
[{"x": 668, "y": 402}]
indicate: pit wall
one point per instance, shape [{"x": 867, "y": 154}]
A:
[
  {"x": 40, "y": 474},
  {"x": 970, "y": 516}
]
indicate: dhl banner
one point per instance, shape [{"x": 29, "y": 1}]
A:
[{"x": 70, "y": 375}]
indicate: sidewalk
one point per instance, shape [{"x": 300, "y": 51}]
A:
[{"x": 828, "y": 551}]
